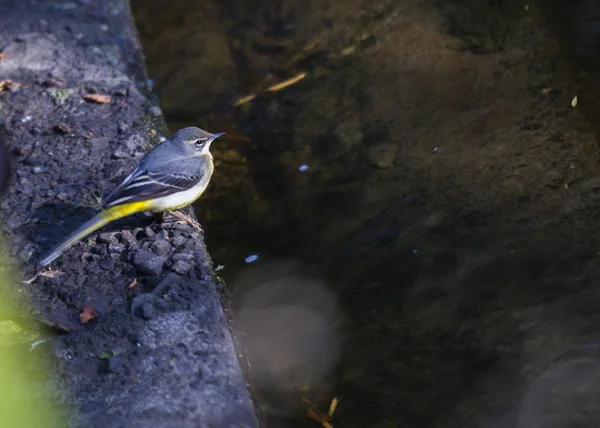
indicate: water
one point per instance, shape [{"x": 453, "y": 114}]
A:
[{"x": 405, "y": 206}]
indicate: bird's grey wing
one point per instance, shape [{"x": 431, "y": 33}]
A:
[{"x": 145, "y": 183}]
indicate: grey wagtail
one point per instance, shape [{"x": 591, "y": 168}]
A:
[{"x": 170, "y": 176}]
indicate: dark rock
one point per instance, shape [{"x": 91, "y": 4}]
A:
[
  {"x": 154, "y": 111},
  {"x": 115, "y": 364},
  {"x": 181, "y": 267},
  {"x": 108, "y": 238},
  {"x": 178, "y": 241},
  {"x": 148, "y": 263},
  {"x": 127, "y": 238},
  {"x": 161, "y": 247},
  {"x": 115, "y": 248},
  {"x": 147, "y": 310},
  {"x": 39, "y": 169},
  {"x": 186, "y": 257},
  {"x": 149, "y": 233},
  {"x": 106, "y": 263},
  {"x": 119, "y": 154},
  {"x": 122, "y": 128},
  {"x": 33, "y": 161}
]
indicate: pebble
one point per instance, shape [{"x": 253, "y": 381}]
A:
[
  {"x": 119, "y": 154},
  {"x": 108, "y": 238},
  {"x": 178, "y": 241},
  {"x": 154, "y": 111},
  {"x": 181, "y": 267},
  {"x": 115, "y": 364},
  {"x": 127, "y": 237},
  {"x": 33, "y": 161},
  {"x": 39, "y": 169},
  {"x": 115, "y": 248},
  {"x": 122, "y": 128},
  {"x": 147, "y": 263},
  {"x": 106, "y": 263},
  {"x": 149, "y": 232},
  {"x": 186, "y": 257},
  {"x": 161, "y": 247},
  {"x": 147, "y": 310}
]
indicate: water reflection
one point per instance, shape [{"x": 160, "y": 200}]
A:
[{"x": 449, "y": 204}]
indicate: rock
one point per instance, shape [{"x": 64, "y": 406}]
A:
[
  {"x": 106, "y": 263},
  {"x": 181, "y": 267},
  {"x": 186, "y": 257},
  {"x": 147, "y": 310},
  {"x": 383, "y": 155},
  {"x": 115, "y": 248},
  {"x": 122, "y": 128},
  {"x": 178, "y": 241},
  {"x": 147, "y": 263},
  {"x": 154, "y": 111},
  {"x": 128, "y": 238},
  {"x": 108, "y": 238},
  {"x": 161, "y": 247},
  {"x": 149, "y": 233},
  {"x": 119, "y": 154}
]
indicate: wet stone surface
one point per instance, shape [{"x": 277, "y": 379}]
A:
[{"x": 159, "y": 352}]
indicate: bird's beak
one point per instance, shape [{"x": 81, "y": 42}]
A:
[{"x": 215, "y": 136}]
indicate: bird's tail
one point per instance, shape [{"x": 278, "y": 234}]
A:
[{"x": 101, "y": 219}]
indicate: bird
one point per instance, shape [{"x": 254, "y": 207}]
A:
[{"x": 170, "y": 176}]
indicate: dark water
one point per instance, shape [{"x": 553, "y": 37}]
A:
[{"x": 406, "y": 209}]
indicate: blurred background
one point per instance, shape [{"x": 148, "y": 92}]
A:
[{"x": 405, "y": 206}]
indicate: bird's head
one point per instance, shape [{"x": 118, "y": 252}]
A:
[{"x": 198, "y": 138}]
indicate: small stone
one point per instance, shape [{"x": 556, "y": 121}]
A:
[
  {"x": 161, "y": 247},
  {"x": 181, "y": 267},
  {"x": 147, "y": 310},
  {"x": 147, "y": 263},
  {"x": 106, "y": 264},
  {"x": 154, "y": 111},
  {"x": 127, "y": 237},
  {"x": 33, "y": 161},
  {"x": 382, "y": 156},
  {"x": 114, "y": 364},
  {"x": 149, "y": 233},
  {"x": 122, "y": 128},
  {"x": 39, "y": 169},
  {"x": 178, "y": 241},
  {"x": 115, "y": 248},
  {"x": 108, "y": 238},
  {"x": 119, "y": 154},
  {"x": 186, "y": 257}
]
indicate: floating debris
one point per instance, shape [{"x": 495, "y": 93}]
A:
[
  {"x": 219, "y": 268},
  {"x": 574, "y": 102},
  {"x": 303, "y": 168},
  {"x": 251, "y": 258},
  {"x": 435, "y": 149}
]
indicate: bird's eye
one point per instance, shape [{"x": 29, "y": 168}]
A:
[{"x": 200, "y": 141}]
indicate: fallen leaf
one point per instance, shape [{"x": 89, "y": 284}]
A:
[
  {"x": 97, "y": 98},
  {"x": 88, "y": 314},
  {"x": 9, "y": 85},
  {"x": 133, "y": 283},
  {"x": 3, "y": 55},
  {"x": 153, "y": 132}
]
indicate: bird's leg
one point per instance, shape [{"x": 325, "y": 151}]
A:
[{"x": 184, "y": 218}]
